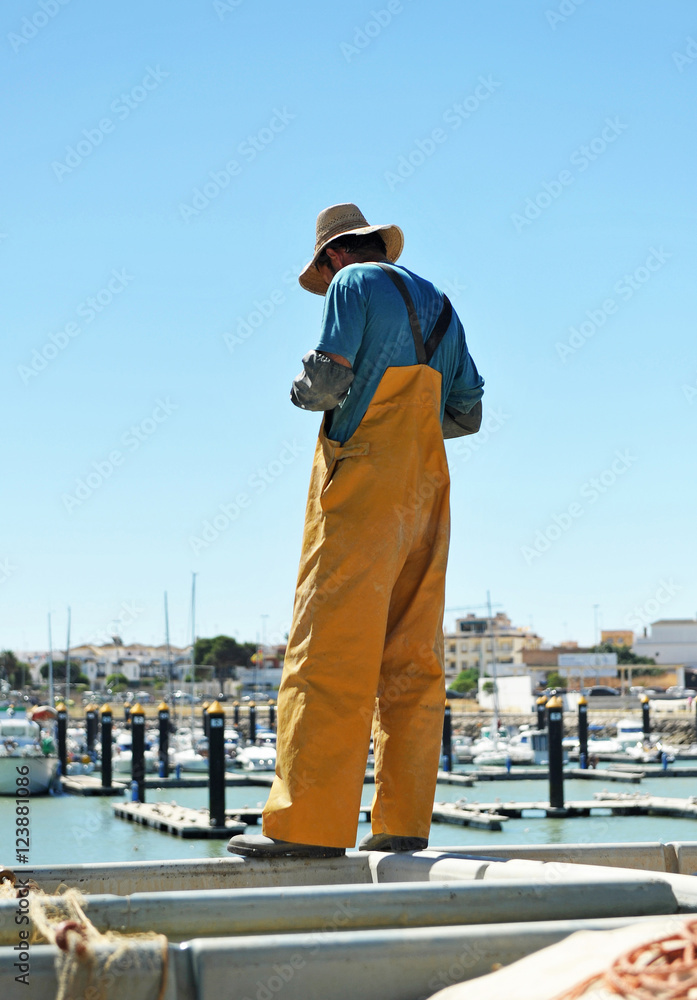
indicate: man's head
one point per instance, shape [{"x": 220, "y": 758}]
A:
[
  {"x": 343, "y": 237},
  {"x": 349, "y": 250}
]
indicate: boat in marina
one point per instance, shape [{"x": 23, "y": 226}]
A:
[
  {"x": 650, "y": 750},
  {"x": 500, "y": 753},
  {"x": 23, "y": 746},
  {"x": 462, "y": 749},
  {"x": 629, "y": 731},
  {"x": 256, "y": 758}
]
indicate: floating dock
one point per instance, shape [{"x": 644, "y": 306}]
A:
[
  {"x": 483, "y": 818},
  {"x": 632, "y": 775},
  {"x": 618, "y": 804},
  {"x": 179, "y": 821},
  {"x": 182, "y": 821},
  {"x": 88, "y": 784}
]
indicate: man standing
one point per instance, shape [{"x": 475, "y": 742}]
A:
[{"x": 393, "y": 374}]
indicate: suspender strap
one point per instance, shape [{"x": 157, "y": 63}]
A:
[
  {"x": 424, "y": 353},
  {"x": 411, "y": 312},
  {"x": 439, "y": 330}
]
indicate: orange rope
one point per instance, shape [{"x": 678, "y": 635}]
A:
[{"x": 665, "y": 969}]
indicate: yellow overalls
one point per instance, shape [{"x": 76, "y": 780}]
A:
[{"x": 367, "y": 624}]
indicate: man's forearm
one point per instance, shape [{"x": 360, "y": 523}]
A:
[{"x": 323, "y": 383}]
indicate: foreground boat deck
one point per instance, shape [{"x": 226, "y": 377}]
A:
[{"x": 407, "y": 924}]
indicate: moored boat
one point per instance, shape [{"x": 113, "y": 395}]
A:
[{"x": 23, "y": 755}]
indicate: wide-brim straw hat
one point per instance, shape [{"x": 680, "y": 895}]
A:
[{"x": 345, "y": 220}]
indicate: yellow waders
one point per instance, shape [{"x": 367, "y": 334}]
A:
[{"x": 367, "y": 623}]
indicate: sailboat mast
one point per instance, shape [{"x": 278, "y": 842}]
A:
[
  {"x": 193, "y": 645},
  {"x": 495, "y": 726},
  {"x": 169, "y": 653},
  {"x": 67, "y": 667},
  {"x": 50, "y": 663}
]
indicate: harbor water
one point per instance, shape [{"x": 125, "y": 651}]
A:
[{"x": 71, "y": 829}]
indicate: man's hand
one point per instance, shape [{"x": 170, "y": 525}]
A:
[{"x": 323, "y": 383}]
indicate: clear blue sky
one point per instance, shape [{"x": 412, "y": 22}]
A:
[{"x": 150, "y": 332}]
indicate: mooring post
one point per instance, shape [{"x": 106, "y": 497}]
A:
[
  {"x": 236, "y": 713},
  {"x": 583, "y": 732},
  {"x": 127, "y": 713},
  {"x": 252, "y": 722},
  {"x": 555, "y": 725},
  {"x": 272, "y": 714},
  {"x": 204, "y": 718},
  {"x": 645, "y": 715},
  {"x": 447, "y": 738},
  {"x": 541, "y": 713},
  {"x": 62, "y": 727},
  {"x": 216, "y": 764},
  {"x": 107, "y": 720},
  {"x": 163, "y": 741},
  {"x": 138, "y": 751},
  {"x": 90, "y": 726}
]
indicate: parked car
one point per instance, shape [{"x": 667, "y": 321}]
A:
[
  {"x": 601, "y": 691},
  {"x": 450, "y": 693},
  {"x": 675, "y": 691},
  {"x": 259, "y": 696}
]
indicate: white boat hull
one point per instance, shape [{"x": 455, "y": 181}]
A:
[
  {"x": 187, "y": 760},
  {"x": 257, "y": 759},
  {"x": 41, "y": 773}
]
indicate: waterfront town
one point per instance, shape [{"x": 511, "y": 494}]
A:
[{"x": 482, "y": 644}]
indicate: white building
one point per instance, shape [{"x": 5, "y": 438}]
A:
[
  {"x": 136, "y": 661},
  {"x": 673, "y": 641},
  {"x": 476, "y": 640}
]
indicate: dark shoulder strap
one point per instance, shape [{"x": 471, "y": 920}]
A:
[
  {"x": 439, "y": 330},
  {"x": 411, "y": 311},
  {"x": 424, "y": 353}
]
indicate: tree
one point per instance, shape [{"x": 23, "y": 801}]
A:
[
  {"x": 466, "y": 680},
  {"x": 555, "y": 679},
  {"x": 223, "y": 653},
  {"x": 59, "y": 671},
  {"x": 117, "y": 681},
  {"x": 13, "y": 670},
  {"x": 624, "y": 653}
]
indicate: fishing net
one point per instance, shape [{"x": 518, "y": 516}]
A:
[{"x": 89, "y": 964}]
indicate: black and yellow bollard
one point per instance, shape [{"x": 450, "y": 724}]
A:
[
  {"x": 204, "y": 718},
  {"x": 252, "y": 722},
  {"x": 127, "y": 713},
  {"x": 137, "y": 753},
  {"x": 216, "y": 764},
  {"x": 163, "y": 741},
  {"x": 645, "y": 715},
  {"x": 542, "y": 713},
  {"x": 236, "y": 713},
  {"x": 272, "y": 714},
  {"x": 62, "y": 737},
  {"x": 107, "y": 721},
  {"x": 447, "y": 738},
  {"x": 583, "y": 732},
  {"x": 555, "y": 727},
  {"x": 91, "y": 725}
]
